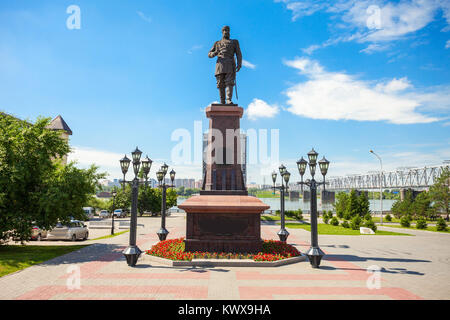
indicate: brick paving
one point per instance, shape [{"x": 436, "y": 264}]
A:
[{"x": 413, "y": 267}]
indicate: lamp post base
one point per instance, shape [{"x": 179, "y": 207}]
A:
[
  {"x": 283, "y": 234},
  {"x": 315, "y": 255},
  {"x": 162, "y": 234},
  {"x": 132, "y": 254}
]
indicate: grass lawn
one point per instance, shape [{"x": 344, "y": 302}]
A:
[
  {"x": 338, "y": 230},
  {"x": 276, "y": 218},
  {"x": 429, "y": 228},
  {"x": 15, "y": 258},
  {"x": 378, "y": 219},
  {"x": 111, "y": 236},
  {"x": 265, "y": 194}
]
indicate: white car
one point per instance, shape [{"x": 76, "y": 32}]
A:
[
  {"x": 119, "y": 213},
  {"x": 89, "y": 211},
  {"x": 74, "y": 230},
  {"x": 104, "y": 214}
]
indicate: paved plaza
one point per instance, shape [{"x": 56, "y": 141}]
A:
[{"x": 411, "y": 267}]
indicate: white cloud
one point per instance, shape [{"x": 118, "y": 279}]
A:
[
  {"x": 447, "y": 44},
  {"x": 107, "y": 161},
  {"x": 394, "y": 85},
  {"x": 144, "y": 17},
  {"x": 340, "y": 96},
  {"x": 372, "y": 21},
  {"x": 248, "y": 64},
  {"x": 260, "y": 109},
  {"x": 375, "y": 47},
  {"x": 195, "y": 48}
]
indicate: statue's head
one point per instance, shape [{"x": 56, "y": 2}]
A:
[{"x": 226, "y": 32}]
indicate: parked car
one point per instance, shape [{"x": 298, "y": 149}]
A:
[
  {"x": 89, "y": 211},
  {"x": 104, "y": 214},
  {"x": 119, "y": 213},
  {"x": 38, "y": 233},
  {"x": 74, "y": 230}
]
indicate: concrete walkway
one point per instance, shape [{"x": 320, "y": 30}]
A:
[{"x": 411, "y": 267}]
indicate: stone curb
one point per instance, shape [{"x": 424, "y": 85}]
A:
[{"x": 223, "y": 262}]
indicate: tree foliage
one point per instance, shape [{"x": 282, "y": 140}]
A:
[
  {"x": 149, "y": 199},
  {"x": 440, "y": 192},
  {"x": 35, "y": 187}
]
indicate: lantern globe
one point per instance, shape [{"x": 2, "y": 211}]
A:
[
  {"x": 164, "y": 168},
  {"x": 323, "y": 165},
  {"x": 274, "y": 177},
  {"x": 301, "y": 165},
  {"x": 146, "y": 165},
  {"x": 282, "y": 169},
  {"x": 312, "y": 156},
  {"x": 172, "y": 175},
  {"x": 124, "y": 164},
  {"x": 286, "y": 177},
  {"x": 136, "y": 155},
  {"x": 160, "y": 176}
]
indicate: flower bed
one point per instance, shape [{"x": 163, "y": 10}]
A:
[{"x": 173, "y": 249}]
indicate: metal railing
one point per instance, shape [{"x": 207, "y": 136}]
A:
[{"x": 419, "y": 178}]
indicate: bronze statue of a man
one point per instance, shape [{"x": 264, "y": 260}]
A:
[{"x": 226, "y": 68}]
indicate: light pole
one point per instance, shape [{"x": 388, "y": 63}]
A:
[
  {"x": 160, "y": 175},
  {"x": 132, "y": 252},
  {"x": 114, "y": 194},
  {"x": 381, "y": 186},
  {"x": 314, "y": 253},
  {"x": 285, "y": 175},
  {"x": 301, "y": 165}
]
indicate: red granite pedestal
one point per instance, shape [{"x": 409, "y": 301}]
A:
[
  {"x": 223, "y": 223},
  {"x": 223, "y": 218}
]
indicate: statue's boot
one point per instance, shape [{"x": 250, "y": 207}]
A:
[
  {"x": 229, "y": 94},
  {"x": 222, "y": 95}
]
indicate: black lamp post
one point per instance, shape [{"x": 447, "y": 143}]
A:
[
  {"x": 285, "y": 175},
  {"x": 114, "y": 194},
  {"x": 146, "y": 165},
  {"x": 301, "y": 165},
  {"x": 160, "y": 175},
  {"x": 314, "y": 253},
  {"x": 132, "y": 252}
]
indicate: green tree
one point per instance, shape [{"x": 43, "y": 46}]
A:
[
  {"x": 35, "y": 187},
  {"x": 440, "y": 192},
  {"x": 421, "y": 206},
  {"x": 401, "y": 208},
  {"x": 340, "y": 204},
  {"x": 353, "y": 204},
  {"x": 363, "y": 204}
]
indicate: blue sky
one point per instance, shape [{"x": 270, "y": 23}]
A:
[{"x": 342, "y": 77}]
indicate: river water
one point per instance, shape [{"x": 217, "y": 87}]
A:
[{"x": 274, "y": 204}]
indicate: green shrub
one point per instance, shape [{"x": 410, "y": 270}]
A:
[
  {"x": 339, "y": 214},
  {"x": 355, "y": 222},
  {"x": 347, "y": 216},
  {"x": 325, "y": 219},
  {"x": 345, "y": 224},
  {"x": 405, "y": 221},
  {"x": 421, "y": 223},
  {"x": 367, "y": 217},
  {"x": 370, "y": 224},
  {"x": 441, "y": 225},
  {"x": 334, "y": 221},
  {"x": 388, "y": 218}
]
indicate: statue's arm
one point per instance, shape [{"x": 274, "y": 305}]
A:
[
  {"x": 238, "y": 56},
  {"x": 213, "y": 52}
]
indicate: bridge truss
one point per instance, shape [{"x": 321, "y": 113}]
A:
[{"x": 415, "y": 178}]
